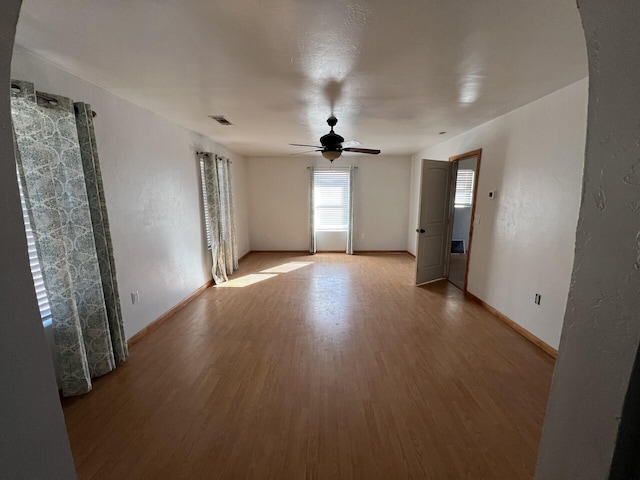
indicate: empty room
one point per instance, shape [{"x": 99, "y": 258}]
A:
[{"x": 319, "y": 240}]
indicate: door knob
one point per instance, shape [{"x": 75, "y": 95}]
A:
[{"x": 419, "y": 230}]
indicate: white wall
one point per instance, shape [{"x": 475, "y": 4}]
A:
[
  {"x": 279, "y": 201},
  {"x": 462, "y": 225},
  {"x": 331, "y": 241},
  {"x": 523, "y": 245},
  {"x": 240, "y": 198},
  {"x": 152, "y": 187}
]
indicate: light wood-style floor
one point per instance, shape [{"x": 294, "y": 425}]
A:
[
  {"x": 457, "y": 269},
  {"x": 337, "y": 369}
]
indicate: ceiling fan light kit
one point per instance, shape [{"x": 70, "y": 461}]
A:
[
  {"x": 333, "y": 144},
  {"x": 331, "y": 155}
]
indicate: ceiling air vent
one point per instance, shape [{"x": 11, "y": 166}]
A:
[{"x": 220, "y": 119}]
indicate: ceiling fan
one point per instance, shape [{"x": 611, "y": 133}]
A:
[{"x": 333, "y": 144}]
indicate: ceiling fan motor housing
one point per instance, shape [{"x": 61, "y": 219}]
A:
[
  {"x": 332, "y": 144},
  {"x": 331, "y": 141}
]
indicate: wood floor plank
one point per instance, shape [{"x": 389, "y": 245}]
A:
[{"x": 334, "y": 366}]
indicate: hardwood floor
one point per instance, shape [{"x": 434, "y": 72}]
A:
[
  {"x": 337, "y": 369},
  {"x": 457, "y": 269}
]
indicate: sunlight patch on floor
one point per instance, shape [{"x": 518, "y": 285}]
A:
[
  {"x": 287, "y": 267},
  {"x": 246, "y": 280},
  {"x": 253, "y": 278}
]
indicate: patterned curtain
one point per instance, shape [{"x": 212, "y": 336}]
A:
[
  {"x": 312, "y": 215},
  {"x": 219, "y": 198},
  {"x": 101, "y": 231},
  {"x": 60, "y": 175}
]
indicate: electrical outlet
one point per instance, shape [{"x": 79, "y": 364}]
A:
[
  {"x": 135, "y": 297},
  {"x": 537, "y": 299},
  {"x": 362, "y": 235}
]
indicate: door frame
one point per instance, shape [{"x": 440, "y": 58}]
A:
[{"x": 478, "y": 154}]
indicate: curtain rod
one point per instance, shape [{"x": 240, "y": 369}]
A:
[
  {"x": 329, "y": 168},
  {"x": 208, "y": 154},
  {"x": 48, "y": 97}
]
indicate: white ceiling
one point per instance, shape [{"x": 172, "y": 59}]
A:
[{"x": 395, "y": 73}]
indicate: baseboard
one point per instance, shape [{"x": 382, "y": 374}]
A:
[
  {"x": 355, "y": 252},
  {"x": 545, "y": 347},
  {"x": 162, "y": 318},
  {"x": 380, "y": 252},
  {"x": 298, "y": 252}
]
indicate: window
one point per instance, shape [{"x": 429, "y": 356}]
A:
[
  {"x": 207, "y": 224},
  {"x": 331, "y": 200},
  {"x": 34, "y": 263},
  {"x": 464, "y": 188}
]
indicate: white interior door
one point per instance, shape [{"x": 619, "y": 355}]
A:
[{"x": 434, "y": 221}]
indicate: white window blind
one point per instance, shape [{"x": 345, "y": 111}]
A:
[
  {"x": 331, "y": 200},
  {"x": 464, "y": 188},
  {"x": 34, "y": 263},
  {"x": 207, "y": 223}
]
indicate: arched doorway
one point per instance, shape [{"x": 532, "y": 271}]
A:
[
  {"x": 601, "y": 334},
  {"x": 34, "y": 443}
]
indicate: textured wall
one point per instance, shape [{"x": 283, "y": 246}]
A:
[
  {"x": 33, "y": 439},
  {"x": 523, "y": 245},
  {"x": 279, "y": 202},
  {"x": 602, "y": 325},
  {"x": 152, "y": 187}
]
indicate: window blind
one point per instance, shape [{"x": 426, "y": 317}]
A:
[
  {"x": 34, "y": 263},
  {"x": 207, "y": 221},
  {"x": 331, "y": 200},
  {"x": 464, "y": 188}
]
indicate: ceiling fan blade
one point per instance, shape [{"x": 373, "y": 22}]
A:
[
  {"x": 302, "y": 153},
  {"x": 304, "y": 145},
  {"x": 361, "y": 150},
  {"x": 350, "y": 144}
]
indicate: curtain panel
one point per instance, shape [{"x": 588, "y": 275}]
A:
[
  {"x": 58, "y": 168},
  {"x": 101, "y": 230},
  {"x": 222, "y": 231},
  {"x": 352, "y": 171},
  {"x": 312, "y": 213}
]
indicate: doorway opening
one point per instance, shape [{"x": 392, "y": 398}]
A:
[
  {"x": 466, "y": 169},
  {"x": 447, "y": 209}
]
